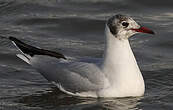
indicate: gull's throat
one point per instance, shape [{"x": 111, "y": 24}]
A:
[{"x": 120, "y": 65}]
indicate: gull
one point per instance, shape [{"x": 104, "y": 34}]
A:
[{"x": 116, "y": 75}]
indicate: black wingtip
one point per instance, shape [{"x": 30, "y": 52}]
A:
[
  {"x": 13, "y": 39},
  {"x": 30, "y": 50}
]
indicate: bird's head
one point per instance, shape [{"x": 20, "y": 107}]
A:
[{"x": 123, "y": 27}]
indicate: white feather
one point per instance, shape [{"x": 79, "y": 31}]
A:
[{"x": 24, "y": 58}]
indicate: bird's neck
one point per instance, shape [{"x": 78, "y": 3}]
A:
[{"x": 119, "y": 62}]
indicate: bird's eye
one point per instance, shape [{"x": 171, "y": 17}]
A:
[{"x": 125, "y": 24}]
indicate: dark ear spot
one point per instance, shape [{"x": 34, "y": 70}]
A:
[
  {"x": 113, "y": 29},
  {"x": 112, "y": 26}
]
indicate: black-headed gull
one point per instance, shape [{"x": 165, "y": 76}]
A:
[{"x": 117, "y": 76}]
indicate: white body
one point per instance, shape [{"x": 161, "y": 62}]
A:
[
  {"x": 117, "y": 76},
  {"x": 121, "y": 69}
]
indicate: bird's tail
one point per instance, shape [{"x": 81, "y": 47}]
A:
[{"x": 29, "y": 51}]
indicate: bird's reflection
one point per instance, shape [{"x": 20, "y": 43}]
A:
[{"x": 55, "y": 99}]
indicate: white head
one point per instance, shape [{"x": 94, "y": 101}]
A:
[{"x": 122, "y": 27}]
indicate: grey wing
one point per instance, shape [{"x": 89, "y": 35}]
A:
[{"x": 72, "y": 76}]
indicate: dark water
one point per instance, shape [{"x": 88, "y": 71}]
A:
[{"x": 75, "y": 27}]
